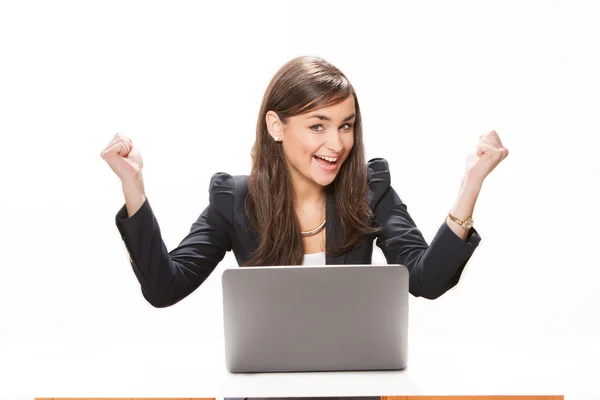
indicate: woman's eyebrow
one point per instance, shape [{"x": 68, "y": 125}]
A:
[{"x": 326, "y": 118}]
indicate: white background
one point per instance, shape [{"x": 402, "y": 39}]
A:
[{"x": 185, "y": 81}]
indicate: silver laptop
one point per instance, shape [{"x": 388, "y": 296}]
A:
[{"x": 315, "y": 318}]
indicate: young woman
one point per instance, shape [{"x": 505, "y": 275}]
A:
[{"x": 310, "y": 198}]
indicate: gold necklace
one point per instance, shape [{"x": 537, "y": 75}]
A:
[{"x": 316, "y": 230}]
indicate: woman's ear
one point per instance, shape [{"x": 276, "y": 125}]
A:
[{"x": 274, "y": 125}]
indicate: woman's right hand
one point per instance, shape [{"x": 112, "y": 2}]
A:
[{"x": 125, "y": 160}]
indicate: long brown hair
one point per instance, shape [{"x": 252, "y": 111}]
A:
[{"x": 302, "y": 85}]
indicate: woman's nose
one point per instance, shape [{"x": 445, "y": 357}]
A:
[{"x": 333, "y": 141}]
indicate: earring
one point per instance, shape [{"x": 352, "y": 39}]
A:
[{"x": 278, "y": 138}]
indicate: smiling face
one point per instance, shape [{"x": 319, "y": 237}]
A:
[{"x": 316, "y": 143}]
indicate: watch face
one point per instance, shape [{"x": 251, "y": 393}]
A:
[{"x": 469, "y": 223}]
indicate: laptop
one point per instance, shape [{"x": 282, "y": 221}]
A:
[{"x": 315, "y": 318}]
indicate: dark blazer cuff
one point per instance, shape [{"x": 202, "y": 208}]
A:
[
  {"x": 455, "y": 250},
  {"x": 473, "y": 238},
  {"x": 458, "y": 251},
  {"x": 130, "y": 228},
  {"x": 127, "y": 224}
]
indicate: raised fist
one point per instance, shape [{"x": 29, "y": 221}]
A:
[{"x": 125, "y": 160}]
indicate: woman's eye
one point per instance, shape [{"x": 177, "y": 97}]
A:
[{"x": 314, "y": 127}]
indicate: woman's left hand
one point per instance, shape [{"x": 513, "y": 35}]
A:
[{"x": 488, "y": 154}]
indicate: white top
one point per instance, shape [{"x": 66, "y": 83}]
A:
[{"x": 314, "y": 259}]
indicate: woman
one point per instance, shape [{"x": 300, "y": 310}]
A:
[{"x": 310, "y": 198}]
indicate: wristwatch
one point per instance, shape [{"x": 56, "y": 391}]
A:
[{"x": 466, "y": 224}]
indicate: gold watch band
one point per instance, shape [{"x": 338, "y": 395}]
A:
[{"x": 466, "y": 224}]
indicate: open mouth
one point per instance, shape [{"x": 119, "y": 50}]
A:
[{"x": 328, "y": 163}]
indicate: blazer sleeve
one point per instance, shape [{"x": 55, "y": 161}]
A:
[
  {"x": 167, "y": 277},
  {"x": 434, "y": 268}
]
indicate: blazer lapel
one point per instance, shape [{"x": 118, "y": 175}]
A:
[{"x": 340, "y": 260}]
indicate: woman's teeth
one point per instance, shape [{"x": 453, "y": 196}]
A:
[
  {"x": 327, "y": 163},
  {"x": 330, "y": 159}
]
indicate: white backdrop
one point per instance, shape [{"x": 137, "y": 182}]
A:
[{"x": 185, "y": 82}]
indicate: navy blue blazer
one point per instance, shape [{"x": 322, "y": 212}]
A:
[{"x": 166, "y": 277}]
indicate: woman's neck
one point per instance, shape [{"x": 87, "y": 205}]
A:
[{"x": 307, "y": 194}]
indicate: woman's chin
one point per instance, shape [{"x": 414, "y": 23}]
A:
[{"x": 324, "y": 180}]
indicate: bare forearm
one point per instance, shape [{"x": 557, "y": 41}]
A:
[
  {"x": 134, "y": 196},
  {"x": 464, "y": 205}
]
